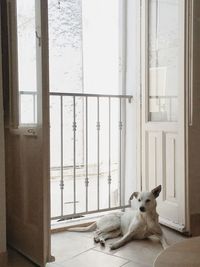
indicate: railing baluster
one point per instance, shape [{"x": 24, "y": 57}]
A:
[
  {"x": 61, "y": 155},
  {"x": 74, "y": 164},
  {"x": 98, "y": 153},
  {"x": 86, "y": 151},
  {"x": 120, "y": 151},
  {"x": 109, "y": 150}
]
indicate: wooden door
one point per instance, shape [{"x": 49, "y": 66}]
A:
[
  {"x": 27, "y": 131},
  {"x": 163, "y": 155}
]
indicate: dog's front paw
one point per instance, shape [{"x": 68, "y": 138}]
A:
[
  {"x": 113, "y": 246},
  {"x": 102, "y": 242},
  {"x": 96, "y": 239}
]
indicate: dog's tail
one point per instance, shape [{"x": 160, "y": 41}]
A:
[{"x": 89, "y": 228}]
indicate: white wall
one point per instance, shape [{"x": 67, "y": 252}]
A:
[
  {"x": 100, "y": 46},
  {"x": 2, "y": 169}
]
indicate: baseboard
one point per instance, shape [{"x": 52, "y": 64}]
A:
[
  {"x": 170, "y": 224},
  {"x": 195, "y": 224}
]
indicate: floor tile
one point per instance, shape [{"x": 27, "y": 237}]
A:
[
  {"x": 52, "y": 265},
  {"x": 93, "y": 258},
  {"x": 140, "y": 251},
  {"x": 133, "y": 264},
  {"x": 106, "y": 248},
  {"x": 172, "y": 236},
  {"x": 68, "y": 244}
]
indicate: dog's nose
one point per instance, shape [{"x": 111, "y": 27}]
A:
[{"x": 142, "y": 209}]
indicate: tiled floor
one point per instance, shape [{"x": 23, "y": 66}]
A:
[{"x": 79, "y": 250}]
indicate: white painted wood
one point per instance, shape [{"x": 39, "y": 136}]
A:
[
  {"x": 132, "y": 86},
  {"x": 154, "y": 159},
  {"x": 163, "y": 143},
  {"x": 27, "y": 167},
  {"x": 2, "y": 166},
  {"x": 171, "y": 166}
]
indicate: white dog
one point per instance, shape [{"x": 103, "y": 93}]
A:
[{"x": 131, "y": 225}]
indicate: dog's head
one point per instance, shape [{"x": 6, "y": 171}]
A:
[{"x": 147, "y": 200}]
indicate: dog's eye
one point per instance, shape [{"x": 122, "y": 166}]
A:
[
  {"x": 139, "y": 199},
  {"x": 148, "y": 200}
]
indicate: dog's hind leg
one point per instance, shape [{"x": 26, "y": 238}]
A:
[
  {"x": 109, "y": 223},
  {"x": 109, "y": 235}
]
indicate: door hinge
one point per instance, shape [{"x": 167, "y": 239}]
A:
[{"x": 38, "y": 37}]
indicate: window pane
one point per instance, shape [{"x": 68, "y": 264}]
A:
[
  {"x": 27, "y": 60},
  {"x": 28, "y": 105},
  {"x": 164, "y": 69}
]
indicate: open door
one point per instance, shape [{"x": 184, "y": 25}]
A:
[
  {"x": 27, "y": 129},
  {"x": 163, "y": 155}
]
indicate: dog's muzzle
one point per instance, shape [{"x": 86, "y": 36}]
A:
[{"x": 142, "y": 209}]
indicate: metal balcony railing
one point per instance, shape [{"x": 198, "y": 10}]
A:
[{"x": 87, "y": 152}]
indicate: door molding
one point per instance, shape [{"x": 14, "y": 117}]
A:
[{"x": 2, "y": 164}]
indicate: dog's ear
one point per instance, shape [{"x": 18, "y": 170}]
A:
[
  {"x": 156, "y": 191},
  {"x": 135, "y": 194}
]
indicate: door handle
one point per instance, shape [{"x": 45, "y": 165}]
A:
[
  {"x": 31, "y": 131},
  {"x": 26, "y": 131}
]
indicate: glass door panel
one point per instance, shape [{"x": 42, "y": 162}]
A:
[
  {"x": 26, "y": 36},
  {"x": 164, "y": 58}
]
